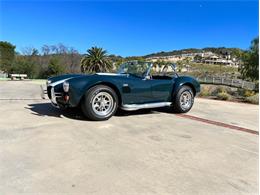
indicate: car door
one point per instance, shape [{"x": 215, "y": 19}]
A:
[
  {"x": 161, "y": 79},
  {"x": 161, "y": 89},
  {"x": 136, "y": 91}
]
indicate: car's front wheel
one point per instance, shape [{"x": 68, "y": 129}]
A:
[
  {"x": 183, "y": 100},
  {"x": 100, "y": 103}
]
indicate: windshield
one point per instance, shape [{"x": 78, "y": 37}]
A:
[{"x": 135, "y": 68}]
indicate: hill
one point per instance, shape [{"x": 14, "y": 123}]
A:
[{"x": 235, "y": 52}]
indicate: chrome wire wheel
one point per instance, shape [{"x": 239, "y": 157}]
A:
[
  {"x": 186, "y": 100},
  {"x": 102, "y": 104}
]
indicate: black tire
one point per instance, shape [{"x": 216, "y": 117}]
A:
[
  {"x": 87, "y": 103},
  {"x": 177, "y": 105}
]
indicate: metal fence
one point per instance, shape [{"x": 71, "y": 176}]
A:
[{"x": 228, "y": 82}]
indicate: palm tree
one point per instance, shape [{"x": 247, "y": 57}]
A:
[{"x": 96, "y": 60}]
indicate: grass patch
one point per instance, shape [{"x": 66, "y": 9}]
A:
[
  {"x": 5, "y": 79},
  {"x": 203, "y": 70}
]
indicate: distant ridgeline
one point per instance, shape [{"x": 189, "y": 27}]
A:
[{"x": 234, "y": 52}]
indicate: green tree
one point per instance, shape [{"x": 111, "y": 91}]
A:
[
  {"x": 250, "y": 67},
  {"x": 198, "y": 58},
  {"x": 23, "y": 65},
  {"x": 54, "y": 67},
  {"x": 7, "y": 56},
  {"x": 237, "y": 53},
  {"x": 96, "y": 60},
  {"x": 179, "y": 65},
  {"x": 160, "y": 63},
  {"x": 27, "y": 63}
]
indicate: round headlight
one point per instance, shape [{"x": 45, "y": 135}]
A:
[
  {"x": 66, "y": 86},
  {"x": 48, "y": 82}
]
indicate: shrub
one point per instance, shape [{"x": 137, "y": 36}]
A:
[
  {"x": 241, "y": 92},
  {"x": 221, "y": 89},
  {"x": 205, "y": 91},
  {"x": 245, "y": 92},
  {"x": 223, "y": 96},
  {"x": 248, "y": 93},
  {"x": 253, "y": 99}
]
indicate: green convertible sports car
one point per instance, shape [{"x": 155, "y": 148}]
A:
[{"x": 137, "y": 85}]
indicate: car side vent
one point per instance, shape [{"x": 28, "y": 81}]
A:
[{"x": 126, "y": 88}]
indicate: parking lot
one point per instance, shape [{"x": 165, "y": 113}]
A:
[{"x": 213, "y": 149}]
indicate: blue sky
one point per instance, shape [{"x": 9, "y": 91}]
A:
[{"x": 129, "y": 28}]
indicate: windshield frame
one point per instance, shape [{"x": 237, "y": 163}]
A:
[{"x": 146, "y": 72}]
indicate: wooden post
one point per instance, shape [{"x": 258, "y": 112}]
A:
[
  {"x": 213, "y": 79},
  {"x": 242, "y": 85}
]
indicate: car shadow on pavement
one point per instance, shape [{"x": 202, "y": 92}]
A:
[{"x": 46, "y": 109}]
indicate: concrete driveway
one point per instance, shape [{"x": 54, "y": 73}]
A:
[{"x": 211, "y": 150}]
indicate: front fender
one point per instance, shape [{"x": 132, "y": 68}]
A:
[
  {"x": 77, "y": 89},
  {"x": 79, "y": 86}
]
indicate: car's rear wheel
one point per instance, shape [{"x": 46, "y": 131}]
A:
[
  {"x": 183, "y": 100},
  {"x": 100, "y": 103}
]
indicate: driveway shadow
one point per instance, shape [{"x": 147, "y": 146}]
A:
[{"x": 46, "y": 109}]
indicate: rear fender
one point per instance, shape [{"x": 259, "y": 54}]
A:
[{"x": 185, "y": 80}]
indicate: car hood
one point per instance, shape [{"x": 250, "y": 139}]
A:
[{"x": 61, "y": 78}]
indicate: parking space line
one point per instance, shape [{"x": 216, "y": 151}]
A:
[{"x": 220, "y": 124}]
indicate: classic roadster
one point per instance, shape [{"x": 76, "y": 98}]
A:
[{"x": 137, "y": 85}]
